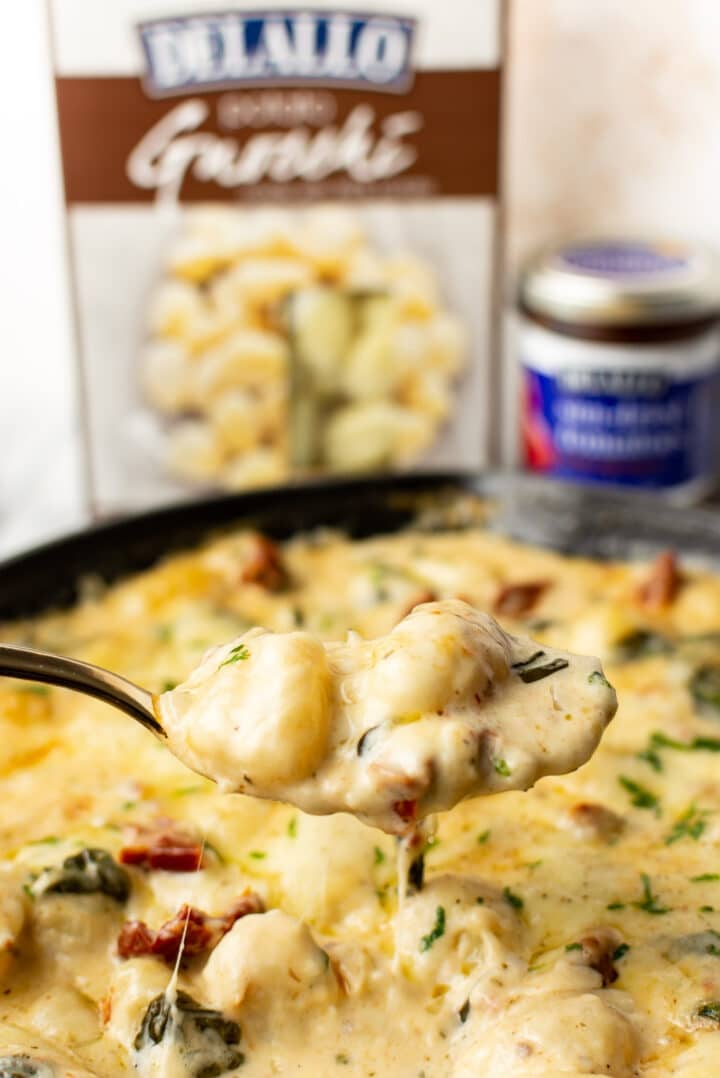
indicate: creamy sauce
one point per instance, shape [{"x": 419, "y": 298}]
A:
[
  {"x": 444, "y": 707},
  {"x": 570, "y": 930}
]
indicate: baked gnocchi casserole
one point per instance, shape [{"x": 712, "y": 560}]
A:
[
  {"x": 151, "y": 925},
  {"x": 286, "y": 343}
]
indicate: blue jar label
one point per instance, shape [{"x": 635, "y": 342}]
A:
[{"x": 634, "y": 428}]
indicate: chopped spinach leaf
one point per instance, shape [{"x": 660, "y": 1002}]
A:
[
  {"x": 707, "y": 942},
  {"x": 641, "y": 644},
  {"x": 24, "y": 1067},
  {"x": 620, "y": 951},
  {"x": 416, "y": 872},
  {"x": 206, "y": 1038},
  {"x": 92, "y": 871},
  {"x": 528, "y": 662},
  {"x": 537, "y": 673},
  {"x": 710, "y": 1011},
  {"x": 705, "y": 690},
  {"x": 512, "y": 899},
  {"x": 436, "y": 932}
]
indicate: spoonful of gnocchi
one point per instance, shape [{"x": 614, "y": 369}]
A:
[{"x": 445, "y": 707}]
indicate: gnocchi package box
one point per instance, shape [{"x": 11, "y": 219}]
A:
[{"x": 282, "y": 225}]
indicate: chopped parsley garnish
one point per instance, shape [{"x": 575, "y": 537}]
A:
[
  {"x": 502, "y": 767},
  {"x": 483, "y": 837},
  {"x": 620, "y": 952},
  {"x": 512, "y": 899},
  {"x": 237, "y": 654},
  {"x": 258, "y": 855},
  {"x": 438, "y": 930},
  {"x": 640, "y": 796},
  {"x": 598, "y": 678},
  {"x": 168, "y": 685},
  {"x": 464, "y": 1011},
  {"x": 292, "y": 827},
  {"x": 651, "y": 756},
  {"x": 707, "y": 877},
  {"x": 691, "y": 824},
  {"x": 342, "y": 1058},
  {"x": 649, "y": 902},
  {"x": 574, "y": 947},
  {"x": 658, "y": 740},
  {"x": 379, "y": 855},
  {"x": 615, "y": 906},
  {"x": 710, "y": 909},
  {"x": 35, "y": 690}
]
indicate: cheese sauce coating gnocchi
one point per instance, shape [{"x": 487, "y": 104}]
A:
[
  {"x": 571, "y": 930},
  {"x": 444, "y": 707}
]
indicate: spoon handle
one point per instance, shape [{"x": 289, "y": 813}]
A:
[{"x": 28, "y": 664}]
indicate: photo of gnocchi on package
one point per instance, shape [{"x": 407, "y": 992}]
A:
[
  {"x": 282, "y": 344},
  {"x": 284, "y": 259}
]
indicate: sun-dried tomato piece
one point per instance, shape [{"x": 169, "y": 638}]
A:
[
  {"x": 406, "y": 810},
  {"x": 265, "y": 566},
  {"x": 516, "y": 600},
  {"x": 662, "y": 583},
  {"x": 197, "y": 928},
  {"x": 249, "y": 903},
  {"x": 135, "y": 940},
  {"x": 164, "y": 846},
  {"x": 191, "y": 929}
]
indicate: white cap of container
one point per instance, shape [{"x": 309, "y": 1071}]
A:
[{"x": 614, "y": 283}]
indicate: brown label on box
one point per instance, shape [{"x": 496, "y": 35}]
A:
[{"x": 265, "y": 144}]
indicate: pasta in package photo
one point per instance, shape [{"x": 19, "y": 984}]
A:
[{"x": 282, "y": 228}]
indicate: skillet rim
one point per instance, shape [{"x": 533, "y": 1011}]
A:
[{"x": 584, "y": 520}]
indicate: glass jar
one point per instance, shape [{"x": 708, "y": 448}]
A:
[{"x": 620, "y": 365}]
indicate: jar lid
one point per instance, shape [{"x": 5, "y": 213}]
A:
[{"x": 613, "y": 282}]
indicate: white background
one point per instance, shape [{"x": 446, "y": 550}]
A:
[{"x": 39, "y": 444}]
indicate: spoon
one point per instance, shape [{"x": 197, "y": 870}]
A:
[{"x": 28, "y": 664}]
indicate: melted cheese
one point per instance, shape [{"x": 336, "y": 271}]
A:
[
  {"x": 501, "y": 964},
  {"x": 444, "y": 707}
]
